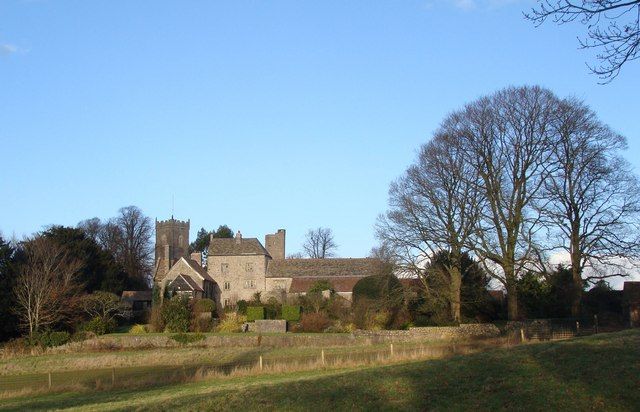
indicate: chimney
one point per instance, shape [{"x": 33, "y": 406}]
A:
[
  {"x": 197, "y": 256},
  {"x": 238, "y": 237}
]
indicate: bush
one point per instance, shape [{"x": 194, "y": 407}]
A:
[
  {"x": 255, "y": 313},
  {"x": 231, "y": 322},
  {"x": 156, "y": 324},
  {"x": 204, "y": 306},
  {"x": 176, "y": 315},
  {"x": 314, "y": 322},
  {"x": 291, "y": 313},
  {"x": 341, "y": 327},
  {"x": 187, "y": 338},
  {"x": 99, "y": 326},
  {"x": 242, "y": 306},
  {"x": 50, "y": 339},
  {"x": 81, "y": 335},
  {"x": 138, "y": 329}
]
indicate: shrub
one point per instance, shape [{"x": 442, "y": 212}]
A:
[
  {"x": 242, "y": 306},
  {"x": 204, "y": 306},
  {"x": 255, "y": 313},
  {"x": 273, "y": 309},
  {"x": 156, "y": 324},
  {"x": 99, "y": 326},
  {"x": 291, "y": 313},
  {"x": 187, "y": 338},
  {"x": 341, "y": 327},
  {"x": 50, "y": 339},
  {"x": 138, "y": 329},
  {"x": 314, "y": 322},
  {"x": 231, "y": 322},
  {"x": 81, "y": 335},
  {"x": 176, "y": 315}
]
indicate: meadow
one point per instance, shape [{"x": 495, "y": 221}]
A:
[{"x": 587, "y": 373}]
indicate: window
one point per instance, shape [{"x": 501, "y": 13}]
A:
[
  {"x": 249, "y": 267},
  {"x": 227, "y": 302},
  {"x": 249, "y": 284},
  {"x": 224, "y": 268},
  {"x": 227, "y": 285}
]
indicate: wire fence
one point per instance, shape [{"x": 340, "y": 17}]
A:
[
  {"x": 256, "y": 362},
  {"x": 253, "y": 363}
]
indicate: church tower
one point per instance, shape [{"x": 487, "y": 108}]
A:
[{"x": 172, "y": 243}]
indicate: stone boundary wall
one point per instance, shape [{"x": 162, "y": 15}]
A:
[
  {"x": 268, "y": 326},
  {"x": 464, "y": 331}
]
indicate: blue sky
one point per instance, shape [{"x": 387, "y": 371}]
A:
[{"x": 260, "y": 115}]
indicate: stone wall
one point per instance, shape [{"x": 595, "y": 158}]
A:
[
  {"x": 462, "y": 332},
  {"x": 240, "y": 270},
  {"x": 268, "y": 326}
]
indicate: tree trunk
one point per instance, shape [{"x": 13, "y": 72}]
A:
[
  {"x": 576, "y": 273},
  {"x": 456, "y": 281},
  {"x": 512, "y": 302}
]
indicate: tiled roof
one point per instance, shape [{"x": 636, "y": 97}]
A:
[
  {"x": 231, "y": 247},
  {"x": 341, "y": 284},
  {"x": 183, "y": 282},
  {"x": 292, "y": 268},
  {"x": 137, "y": 295},
  {"x": 201, "y": 271}
]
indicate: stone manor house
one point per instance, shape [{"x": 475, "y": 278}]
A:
[{"x": 237, "y": 268}]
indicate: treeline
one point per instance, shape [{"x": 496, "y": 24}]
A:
[
  {"x": 510, "y": 179},
  {"x": 55, "y": 279}
]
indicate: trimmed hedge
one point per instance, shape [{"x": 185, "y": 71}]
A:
[
  {"x": 187, "y": 338},
  {"x": 255, "y": 313},
  {"x": 291, "y": 313}
]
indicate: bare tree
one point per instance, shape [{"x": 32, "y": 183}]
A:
[
  {"x": 508, "y": 138},
  {"x": 46, "y": 288},
  {"x": 319, "y": 243},
  {"x": 592, "y": 200},
  {"x": 613, "y": 28},
  {"x": 136, "y": 231},
  {"x": 103, "y": 305},
  {"x": 434, "y": 207}
]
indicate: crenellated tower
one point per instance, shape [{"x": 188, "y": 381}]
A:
[{"x": 172, "y": 243}]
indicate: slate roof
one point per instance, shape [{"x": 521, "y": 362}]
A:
[
  {"x": 201, "y": 271},
  {"x": 324, "y": 268},
  {"x": 182, "y": 282},
  {"x": 230, "y": 247},
  {"x": 341, "y": 284}
]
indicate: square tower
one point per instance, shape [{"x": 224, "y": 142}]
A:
[
  {"x": 275, "y": 244},
  {"x": 172, "y": 243}
]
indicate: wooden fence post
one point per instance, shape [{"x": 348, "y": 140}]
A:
[
  {"x": 391, "y": 347},
  {"x": 521, "y": 335},
  {"x": 113, "y": 377},
  {"x": 577, "y": 328},
  {"x": 49, "y": 376},
  {"x": 261, "y": 362},
  {"x": 322, "y": 357}
]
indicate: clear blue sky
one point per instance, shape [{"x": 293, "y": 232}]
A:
[{"x": 260, "y": 115}]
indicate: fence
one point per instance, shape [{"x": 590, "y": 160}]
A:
[
  {"x": 557, "y": 329},
  {"x": 250, "y": 364}
]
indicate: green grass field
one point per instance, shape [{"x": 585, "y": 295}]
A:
[{"x": 600, "y": 372}]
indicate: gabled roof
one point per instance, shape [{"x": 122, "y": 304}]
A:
[
  {"x": 330, "y": 268},
  {"x": 232, "y": 247},
  {"x": 182, "y": 282},
  {"x": 343, "y": 284},
  {"x": 198, "y": 269}
]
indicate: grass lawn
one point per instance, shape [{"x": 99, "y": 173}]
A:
[{"x": 597, "y": 372}]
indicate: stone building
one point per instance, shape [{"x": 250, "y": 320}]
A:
[{"x": 239, "y": 267}]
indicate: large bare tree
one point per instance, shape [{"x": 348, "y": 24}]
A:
[
  {"x": 434, "y": 207},
  {"x": 592, "y": 199},
  {"x": 46, "y": 289},
  {"x": 613, "y": 29},
  {"x": 508, "y": 137},
  {"x": 319, "y": 243}
]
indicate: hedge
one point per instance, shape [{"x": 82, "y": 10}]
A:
[
  {"x": 291, "y": 313},
  {"x": 255, "y": 313}
]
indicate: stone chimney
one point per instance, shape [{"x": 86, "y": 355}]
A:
[
  {"x": 238, "y": 237},
  {"x": 197, "y": 256}
]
